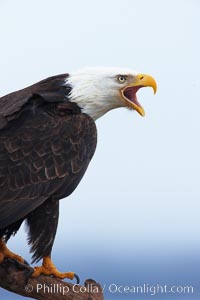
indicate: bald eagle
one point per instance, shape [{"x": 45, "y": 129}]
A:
[{"x": 47, "y": 139}]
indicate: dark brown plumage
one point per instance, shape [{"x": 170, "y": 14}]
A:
[
  {"x": 46, "y": 144},
  {"x": 47, "y": 139}
]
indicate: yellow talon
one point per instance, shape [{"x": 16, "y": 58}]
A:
[
  {"x": 6, "y": 253},
  {"x": 48, "y": 268}
]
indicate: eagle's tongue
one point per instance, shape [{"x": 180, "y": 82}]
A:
[{"x": 130, "y": 93}]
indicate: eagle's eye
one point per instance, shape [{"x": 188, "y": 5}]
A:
[{"x": 121, "y": 78}]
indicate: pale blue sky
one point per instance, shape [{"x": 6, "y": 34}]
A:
[{"x": 142, "y": 189}]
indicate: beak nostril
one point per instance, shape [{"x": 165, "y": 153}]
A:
[{"x": 141, "y": 77}]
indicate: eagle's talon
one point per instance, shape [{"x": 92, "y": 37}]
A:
[
  {"x": 26, "y": 263},
  {"x": 49, "y": 269},
  {"x": 77, "y": 278},
  {"x": 5, "y": 253},
  {"x": 20, "y": 265},
  {"x": 28, "y": 274}
]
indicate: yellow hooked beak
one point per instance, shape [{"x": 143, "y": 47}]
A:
[{"x": 129, "y": 92}]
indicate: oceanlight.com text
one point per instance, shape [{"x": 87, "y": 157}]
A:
[{"x": 149, "y": 289}]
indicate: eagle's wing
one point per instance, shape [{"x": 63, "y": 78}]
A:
[
  {"x": 52, "y": 89},
  {"x": 44, "y": 152}
]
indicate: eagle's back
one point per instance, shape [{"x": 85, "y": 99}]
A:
[{"x": 45, "y": 147}]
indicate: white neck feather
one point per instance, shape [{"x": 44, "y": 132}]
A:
[{"x": 95, "y": 91}]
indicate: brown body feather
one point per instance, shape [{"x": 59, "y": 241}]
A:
[{"x": 46, "y": 144}]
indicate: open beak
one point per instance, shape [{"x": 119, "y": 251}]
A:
[{"x": 128, "y": 93}]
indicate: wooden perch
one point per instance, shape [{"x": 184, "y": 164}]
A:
[{"x": 13, "y": 277}]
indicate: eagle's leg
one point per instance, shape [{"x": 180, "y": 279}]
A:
[
  {"x": 6, "y": 253},
  {"x": 48, "y": 268},
  {"x": 45, "y": 217}
]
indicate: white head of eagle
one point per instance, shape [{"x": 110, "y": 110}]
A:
[{"x": 98, "y": 90}]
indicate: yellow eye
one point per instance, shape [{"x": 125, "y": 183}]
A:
[{"x": 121, "y": 78}]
